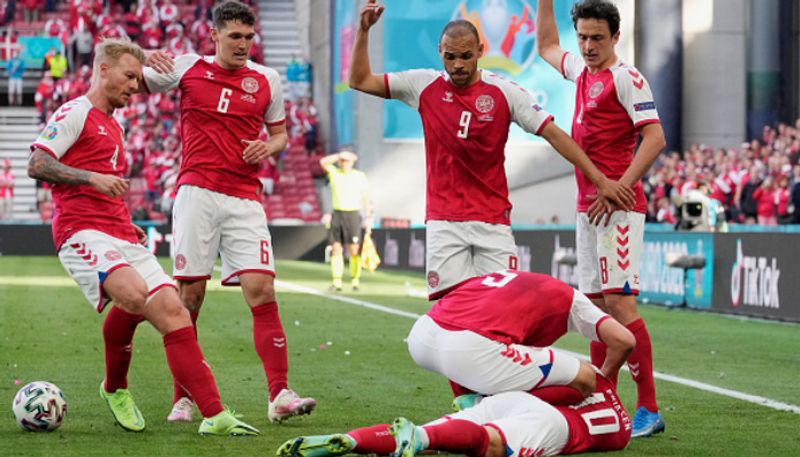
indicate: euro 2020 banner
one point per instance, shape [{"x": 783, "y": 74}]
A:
[{"x": 508, "y": 32}]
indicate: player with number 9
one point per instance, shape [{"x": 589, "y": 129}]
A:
[
  {"x": 492, "y": 333},
  {"x": 466, "y": 114},
  {"x": 225, "y": 102}
]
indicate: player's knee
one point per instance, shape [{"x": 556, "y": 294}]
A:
[
  {"x": 336, "y": 249},
  {"x": 621, "y": 307},
  {"x": 192, "y": 297},
  {"x": 264, "y": 292}
]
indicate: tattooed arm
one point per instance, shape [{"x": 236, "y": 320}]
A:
[{"x": 44, "y": 167}]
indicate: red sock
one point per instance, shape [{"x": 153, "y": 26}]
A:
[
  {"x": 458, "y": 436},
  {"x": 118, "y": 330},
  {"x": 373, "y": 440},
  {"x": 459, "y": 390},
  {"x": 270, "y": 342},
  {"x": 178, "y": 391},
  {"x": 191, "y": 371},
  {"x": 597, "y": 350},
  {"x": 640, "y": 364},
  {"x": 558, "y": 395}
]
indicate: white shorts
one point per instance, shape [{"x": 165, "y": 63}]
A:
[
  {"x": 457, "y": 251},
  {"x": 90, "y": 256},
  {"x": 609, "y": 257},
  {"x": 15, "y": 86},
  {"x": 525, "y": 422},
  {"x": 486, "y": 366},
  {"x": 206, "y": 224}
]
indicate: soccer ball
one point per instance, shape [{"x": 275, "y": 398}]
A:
[{"x": 40, "y": 407}]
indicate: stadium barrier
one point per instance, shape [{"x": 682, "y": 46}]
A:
[
  {"x": 742, "y": 273},
  {"x": 747, "y": 273}
]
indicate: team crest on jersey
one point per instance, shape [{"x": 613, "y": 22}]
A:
[
  {"x": 180, "y": 262},
  {"x": 433, "y": 279},
  {"x": 50, "y": 132},
  {"x": 596, "y": 89},
  {"x": 113, "y": 255},
  {"x": 484, "y": 103},
  {"x": 250, "y": 85}
]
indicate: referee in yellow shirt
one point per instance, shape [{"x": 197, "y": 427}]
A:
[{"x": 349, "y": 192}]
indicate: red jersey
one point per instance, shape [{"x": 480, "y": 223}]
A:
[
  {"x": 219, "y": 109},
  {"x": 609, "y": 108},
  {"x": 599, "y": 423},
  {"x": 518, "y": 307},
  {"x": 465, "y": 136},
  {"x": 82, "y": 136}
]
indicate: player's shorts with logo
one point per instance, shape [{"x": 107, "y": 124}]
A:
[
  {"x": 487, "y": 366},
  {"x": 525, "y": 422},
  {"x": 207, "y": 223},
  {"x": 609, "y": 256},
  {"x": 345, "y": 227},
  {"x": 459, "y": 250},
  {"x": 89, "y": 256}
]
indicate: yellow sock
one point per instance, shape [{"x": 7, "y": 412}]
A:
[
  {"x": 337, "y": 269},
  {"x": 355, "y": 267}
]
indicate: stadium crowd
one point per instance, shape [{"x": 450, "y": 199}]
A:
[
  {"x": 756, "y": 183},
  {"x": 151, "y": 122}
]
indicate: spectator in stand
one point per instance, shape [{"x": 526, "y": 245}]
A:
[
  {"x": 57, "y": 64},
  {"x": 84, "y": 47},
  {"x": 6, "y": 192},
  {"x": 268, "y": 174},
  {"x": 44, "y": 95},
  {"x": 666, "y": 213},
  {"x": 16, "y": 69},
  {"x": 168, "y": 13},
  {"x": 10, "y": 12},
  {"x": 30, "y": 9},
  {"x": 782, "y": 200},
  {"x": 764, "y": 196}
]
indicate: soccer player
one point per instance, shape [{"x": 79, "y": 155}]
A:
[
  {"x": 350, "y": 194},
  {"x": 613, "y": 107},
  {"x": 225, "y": 102},
  {"x": 491, "y": 334},
  {"x": 81, "y": 151},
  {"x": 466, "y": 114},
  {"x": 511, "y": 424}
]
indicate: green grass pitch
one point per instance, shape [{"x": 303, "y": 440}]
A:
[{"x": 49, "y": 332}]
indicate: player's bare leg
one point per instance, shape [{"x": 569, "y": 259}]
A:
[
  {"x": 355, "y": 265},
  {"x": 270, "y": 343},
  {"x": 337, "y": 265},
  {"x": 647, "y": 420}
]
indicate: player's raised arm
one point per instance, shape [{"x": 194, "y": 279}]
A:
[
  {"x": 547, "y": 44},
  {"x": 44, "y": 167},
  {"x": 615, "y": 191},
  {"x": 361, "y": 76}
]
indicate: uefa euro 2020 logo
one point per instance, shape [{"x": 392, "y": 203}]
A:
[{"x": 507, "y": 31}]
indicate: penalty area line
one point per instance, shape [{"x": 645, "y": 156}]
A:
[{"x": 758, "y": 400}]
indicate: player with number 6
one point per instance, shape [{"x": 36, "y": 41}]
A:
[
  {"x": 225, "y": 102},
  {"x": 466, "y": 114}
]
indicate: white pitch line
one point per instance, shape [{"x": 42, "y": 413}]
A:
[{"x": 758, "y": 400}]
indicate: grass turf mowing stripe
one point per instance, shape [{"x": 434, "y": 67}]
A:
[{"x": 758, "y": 400}]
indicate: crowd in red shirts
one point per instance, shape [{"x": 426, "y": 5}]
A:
[{"x": 758, "y": 182}]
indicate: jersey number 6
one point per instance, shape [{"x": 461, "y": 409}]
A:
[{"x": 224, "y": 100}]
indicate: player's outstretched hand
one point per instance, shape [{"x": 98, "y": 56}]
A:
[
  {"x": 110, "y": 185},
  {"x": 159, "y": 61},
  {"x": 255, "y": 151},
  {"x": 370, "y": 14},
  {"x": 618, "y": 193},
  {"x": 141, "y": 235},
  {"x": 599, "y": 212}
]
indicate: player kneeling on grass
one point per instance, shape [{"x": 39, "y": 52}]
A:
[
  {"x": 492, "y": 334},
  {"x": 511, "y": 424},
  {"x": 81, "y": 152}
]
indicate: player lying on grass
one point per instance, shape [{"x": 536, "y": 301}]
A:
[
  {"x": 492, "y": 334},
  {"x": 510, "y": 424},
  {"x": 81, "y": 151}
]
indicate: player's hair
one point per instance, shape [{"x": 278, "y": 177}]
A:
[
  {"x": 602, "y": 10},
  {"x": 111, "y": 49},
  {"x": 458, "y": 28},
  {"x": 232, "y": 10}
]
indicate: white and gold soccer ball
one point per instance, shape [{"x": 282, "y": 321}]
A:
[{"x": 39, "y": 407}]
